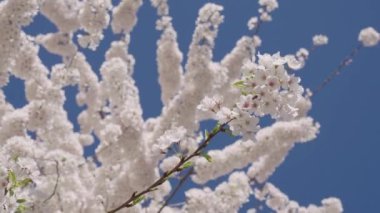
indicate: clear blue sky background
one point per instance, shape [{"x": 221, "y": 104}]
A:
[{"x": 344, "y": 160}]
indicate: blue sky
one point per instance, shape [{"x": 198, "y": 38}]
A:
[{"x": 344, "y": 160}]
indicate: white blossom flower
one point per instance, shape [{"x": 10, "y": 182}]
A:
[
  {"x": 124, "y": 16},
  {"x": 245, "y": 125},
  {"x": 251, "y": 210},
  {"x": 169, "y": 163},
  {"x": 86, "y": 139},
  {"x": 269, "y": 61},
  {"x": 319, "y": 40},
  {"x": 273, "y": 82},
  {"x": 273, "y": 142},
  {"x": 211, "y": 104},
  {"x": 294, "y": 63},
  {"x": 225, "y": 114},
  {"x": 369, "y": 37},
  {"x": 227, "y": 197},
  {"x": 162, "y": 7},
  {"x": 110, "y": 133},
  {"x": 265, "y": 17},
  {"x": 270, "y": 5},
  {"x": 173, "y": 135},
  {"x": 279, "y": 202},
  {"x": 256, "y": 41},
  {"x": 302, "y": 53},
  {"x": 252, "y": 23}
]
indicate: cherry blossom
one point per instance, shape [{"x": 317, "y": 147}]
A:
[{"x": 369, "y": 37}]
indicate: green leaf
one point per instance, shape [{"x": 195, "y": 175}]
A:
[
  {"x": 24, "y": 182},
  {"x": 22, "y": 200},
  {"x": 215, "y": 129},
  {"x": 12, "y": 177},
  {"x": 207, "y": 156},
  {"x": 138, "y": 200},
  {"x": 186, "y": 165},
  {"x": 207, "y": 134},
  {"x": 239, "y": 84},
  {"x": 244, "y": 93},
  {"x": 21, "y": 208}
]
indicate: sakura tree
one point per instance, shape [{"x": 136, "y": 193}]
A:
[{"x": 42, "y": 162}]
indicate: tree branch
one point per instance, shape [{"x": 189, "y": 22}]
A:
[
  {"x": 166, "y": 175},
  {"x": 346, "y": 61},
  {"x": 181, "y": 182}
]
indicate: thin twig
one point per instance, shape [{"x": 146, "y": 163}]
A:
[
  {"x": 344, "y": 63},
  {"x": 166, "y": 175},
  {"x": 56, "y": 181},
  {"x": 257, "y": 28},
  {"x": 181, "y": 182}
]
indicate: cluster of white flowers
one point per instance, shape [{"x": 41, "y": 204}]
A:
[
  {"x": 319, "y": 40},
  {"x": 267, "y": 7},
  {"x": 174, "y": 135},
  {"x": 252, "y": 23},
  {"x": 124, "y": 16},
  {"x": 42, "y": 167},
  {"x": 267, "y": 89},
  {"x": 369, "y": 37},
  {"x": 279, "y": 202},
  {"x": 272, "y": 143},
  {"x": 227, "y": 197}
]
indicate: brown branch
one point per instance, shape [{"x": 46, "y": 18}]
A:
[
  {"x": 181, "y": 182},
  {"x": 177, "y": 168}
]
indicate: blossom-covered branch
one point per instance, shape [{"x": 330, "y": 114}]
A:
[{"x": 184, "y": 163}]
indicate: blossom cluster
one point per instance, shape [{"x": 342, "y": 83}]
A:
[
  {"x": 266, "y": 89},
  {"x": 279, "y": 202}
]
